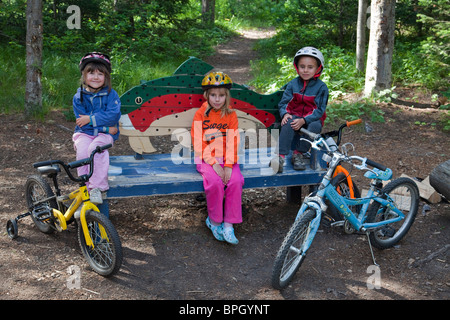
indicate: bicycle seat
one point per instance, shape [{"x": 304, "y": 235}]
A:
[
  {"x": 378, "y": 174},
  {"x": 49, "y": 170}
]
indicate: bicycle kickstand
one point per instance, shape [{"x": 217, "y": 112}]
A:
[{"x": 371, "y": 250}]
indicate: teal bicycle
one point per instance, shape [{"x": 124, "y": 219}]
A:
[{"x": 385, "y": 214}]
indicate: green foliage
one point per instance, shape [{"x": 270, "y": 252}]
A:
[
  {"x": 416, "y": 64},
  {"x": 347, "y": 111},
  {"x": 339, "y": 73},
  {"x": 150, "y": 38},
  {"x": 12, "y": 79},
  {"x": 60, "y": 78},
  {"x": 262, "y": 13},
  {"x": 445, "y": 118},
  {"x": 145, "y": 39}
]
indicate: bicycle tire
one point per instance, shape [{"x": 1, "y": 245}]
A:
[
  {"x": 288, "y": 261},
  {"x": 12, "y": 229},
  {"x": 106, "y": 255},
  {"x": 406, "y": 200},
  {"x": 37, "y": 188}
]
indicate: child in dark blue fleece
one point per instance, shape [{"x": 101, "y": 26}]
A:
[{"x": 303, "y": 105}]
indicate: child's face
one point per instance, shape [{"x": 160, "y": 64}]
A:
[
  {"x": 217, "y": 98},
  {"x": 307, "y": 67},
  {"x": 95, "y": 79}
]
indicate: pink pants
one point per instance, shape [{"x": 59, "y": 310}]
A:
[
  {"x": 84, "y": 144},
  {"x": 220, "y": 210}
]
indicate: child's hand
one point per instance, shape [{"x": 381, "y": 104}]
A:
[
  {"x": 227, "y": 175},
  {"x": 219, "y": 170},
  {"x": 82, "y": 120},
  {"x": 297, "y": 124},
  {"x": 286, "y": 118},
  {"x": 113, "y": 130}
]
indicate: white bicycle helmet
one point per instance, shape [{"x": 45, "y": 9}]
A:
[{"x": 310, "y": 52}]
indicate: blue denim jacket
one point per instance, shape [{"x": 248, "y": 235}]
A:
[{"x": 103, "y": 107}]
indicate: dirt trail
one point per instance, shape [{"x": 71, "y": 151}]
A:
[
  {"x": 170, "y": 254},
  {"x": 234, "y": 56}
]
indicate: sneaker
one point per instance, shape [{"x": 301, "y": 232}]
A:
[
  {"x": 228, "y": 235},
  {"x": 95, "y": 196},
  {"x": 216, "y": 230},
  {"x": 277, "y": 164},
  {"x": 299, "y": 161}
]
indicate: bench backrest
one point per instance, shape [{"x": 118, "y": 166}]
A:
[{"x": 166, "y": 106}]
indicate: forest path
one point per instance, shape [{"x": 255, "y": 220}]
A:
[{"x": 234, "y": 56}]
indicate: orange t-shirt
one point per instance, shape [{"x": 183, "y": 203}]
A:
[{"x": 215, "y": 136}]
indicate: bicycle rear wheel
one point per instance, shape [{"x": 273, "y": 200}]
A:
[
  {"x": 344, "y": 190},
  {"x": 105, "y": 257},
  {"x": 36, "y": 189},
  {"x": 291, "y": 254},
  {"x": 405, "y": 194}
]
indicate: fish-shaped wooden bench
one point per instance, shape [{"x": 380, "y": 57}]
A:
[{"x": 167, "y": 105}]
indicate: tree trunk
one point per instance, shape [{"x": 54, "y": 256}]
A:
[
  {"x": 381, "y": 46},
  {"x": 361, "y": 35},
  {"x": 33, "y": 86},
  {"x": 440, "y": 179},
  {"x": 208, "y": 11}
]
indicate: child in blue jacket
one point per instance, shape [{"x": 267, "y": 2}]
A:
[
  {"x": 97, "y": 110},
  {"x": 303, "y": 105}
]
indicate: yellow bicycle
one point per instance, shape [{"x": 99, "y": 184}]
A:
[{"x": 51, "y": 211}]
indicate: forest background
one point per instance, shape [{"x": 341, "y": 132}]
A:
[{"x": 148, "y": 39}]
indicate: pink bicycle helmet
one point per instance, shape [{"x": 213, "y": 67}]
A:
[{"x": 95, "y": 57}]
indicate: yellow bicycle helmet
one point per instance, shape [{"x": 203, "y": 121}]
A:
[{"x": 216, "y": 80}]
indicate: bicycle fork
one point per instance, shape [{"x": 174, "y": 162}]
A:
[
  {"x": 315, "y": 223},
  {"x": 79, "y": 207}
]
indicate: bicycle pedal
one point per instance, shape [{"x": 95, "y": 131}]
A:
[
  {"x": 388, "y": 231},
  {"x": 338, "y": 223},
  {"x": 327, "y": 221},
  {"x": 42, "y": 213}
]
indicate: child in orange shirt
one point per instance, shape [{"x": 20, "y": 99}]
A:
[{"x": 215, "y": 138}]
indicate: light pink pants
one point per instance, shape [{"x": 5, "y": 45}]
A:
[
  {"x": 84, "y": 144},
  {"x": 220, "y": 210}
]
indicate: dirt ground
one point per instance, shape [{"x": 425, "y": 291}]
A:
[{"x": 169, "y": 254}]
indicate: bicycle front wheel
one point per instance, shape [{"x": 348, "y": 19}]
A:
[
  {"x": 291, "y": 253},
  {"x": 105, "y": 257},
  {"x": 405, "y": 194}
]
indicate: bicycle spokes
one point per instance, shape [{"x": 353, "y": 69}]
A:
[
  {"x": 402, "y": 198},
  {"x": 101, "y": 251},
  {"x": 295, "y": 253}
]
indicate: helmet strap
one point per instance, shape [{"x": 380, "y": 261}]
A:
[
  {"x": 318, "y": 72},
  {"x": 95, "y": 89}
]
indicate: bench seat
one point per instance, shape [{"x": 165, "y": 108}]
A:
[{"x": 157, "y": 174}]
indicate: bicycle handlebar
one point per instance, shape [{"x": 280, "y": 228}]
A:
[
  {"x": 309, "y": 133},
  {"x": 376, "y": 165},
  {"x": 47, "y": 163},
  {"x": 351, "y": 123},
  {"x": 83, "y": 162},
  {"x": 335, "y": 133},
  {"x": 365, "y": 162},
  {"x": 75, "y": 164},
  {"x": 318, "y": 138}
]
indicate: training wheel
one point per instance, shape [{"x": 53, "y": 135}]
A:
[{"x": 11, "y": 228}]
